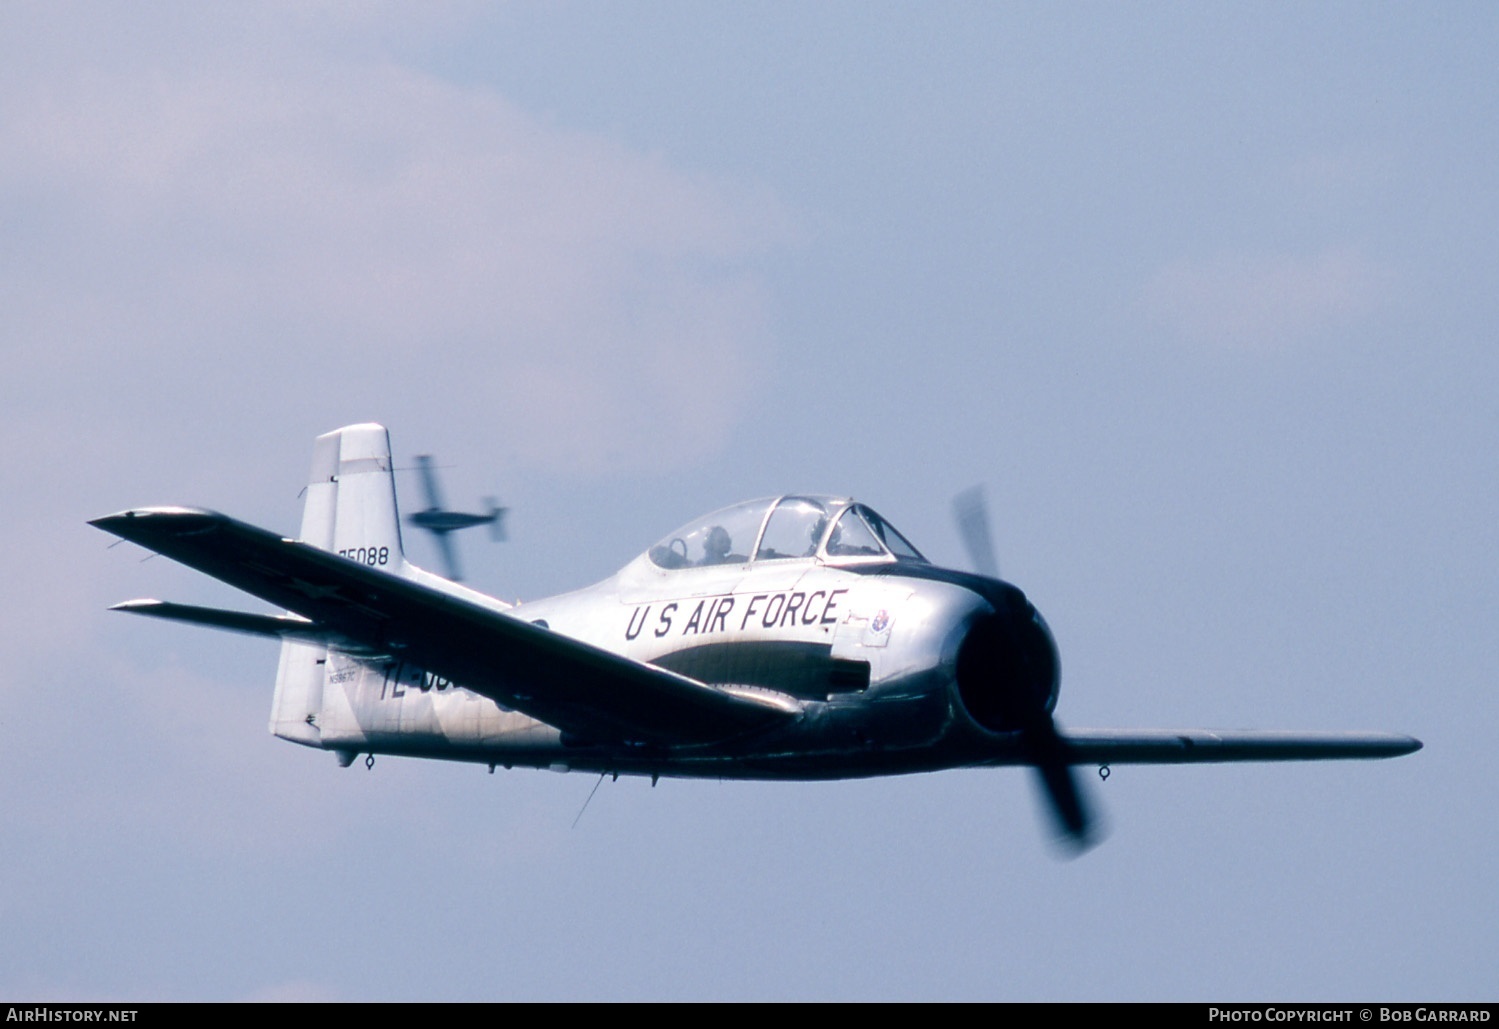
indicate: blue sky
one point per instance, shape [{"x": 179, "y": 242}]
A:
[{"x": 1204, "y": 296}]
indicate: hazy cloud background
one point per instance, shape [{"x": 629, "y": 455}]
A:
[{"x": 1207, "y": 298}]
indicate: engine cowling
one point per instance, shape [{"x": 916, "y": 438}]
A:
[{"x": 1007, "y": 666}]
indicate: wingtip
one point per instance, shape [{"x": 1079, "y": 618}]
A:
[
  {"x": 139, "y": 606},
  {"x": 1391, "y": 744},
  {"x": 109, "y": 521},
  {"x": 125, "y": 523}
]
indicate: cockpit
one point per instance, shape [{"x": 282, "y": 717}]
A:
[{"x": 833, "y": 529}]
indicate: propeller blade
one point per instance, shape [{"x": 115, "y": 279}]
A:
[
  {"x": 1013, "y": 647},
  {"x": 972, "y": 515},
  {"x": 1049, "y": 755}
]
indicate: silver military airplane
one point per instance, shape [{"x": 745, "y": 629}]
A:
[{"x": 793, "y": 637}]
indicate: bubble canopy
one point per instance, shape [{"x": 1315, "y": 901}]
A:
[{"x": 800, "y": 527}]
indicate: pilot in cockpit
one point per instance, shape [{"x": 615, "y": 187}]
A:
[
  {"x": 815, "y": 534},
  {"x": 717, "y": 546}
]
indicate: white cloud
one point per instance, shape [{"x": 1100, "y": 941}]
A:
[
  {"x": 1266, "y": 300},
  {"x": 263, "y": 225},
  {"x": 217, "y": 227}
]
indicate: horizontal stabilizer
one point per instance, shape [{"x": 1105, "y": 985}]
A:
[
  {"x": 282, "y": 627},
  {"x": 1204, "y": 746},
  {"x": 278, "y": 626}
]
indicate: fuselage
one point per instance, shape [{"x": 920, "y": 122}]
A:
[
  {"x": 893, "y": 662},
  {"x": 439, "y": 520}
]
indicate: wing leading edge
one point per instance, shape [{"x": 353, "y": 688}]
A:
[{"x": 587, "y": 692}]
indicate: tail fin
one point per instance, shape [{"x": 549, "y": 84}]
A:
[
  {"x": 496, "y": 519},
  {"x": 351, "y": 498},
  {"x": 350, "y": 509}
]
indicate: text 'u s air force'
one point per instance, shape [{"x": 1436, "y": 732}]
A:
[{"x": 765, "y": 610}]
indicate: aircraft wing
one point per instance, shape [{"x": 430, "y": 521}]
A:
[
  {"x": 585, "y": 691},
  {"x": 1198, "y": 746},
  {"x": 449, "y": 556}
]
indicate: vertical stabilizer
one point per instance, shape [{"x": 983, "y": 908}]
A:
[
  {"x": 365, "y": 526},
  {"x": 350, "y": 508}
]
